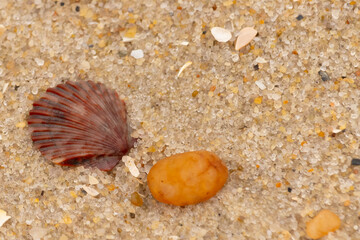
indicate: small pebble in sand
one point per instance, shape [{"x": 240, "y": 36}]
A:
[
  {"x": 21, "y": 124},
  {"x": 258, "y": 100},
  {"x": 187, "y": 178},
  {"x": 195, "y": 93},
  {"x": 221, "y": 34},
  {"x": 355, "y": 162},
  {"x": 245, "y": 36},
  {"x": 299, "y": 17},
  {"x": 136, "y": 199},
  {"x": 324, "y": 222},
  {"x": 324, "y": 76}
]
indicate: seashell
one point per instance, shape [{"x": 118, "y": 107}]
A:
[
  {"x": 221, "y": 34},
  {"x": 81, "y": 123},
  {"x": 245, "y": 36}
]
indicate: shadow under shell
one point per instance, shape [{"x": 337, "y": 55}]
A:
[{"x": 81, "y": 123}]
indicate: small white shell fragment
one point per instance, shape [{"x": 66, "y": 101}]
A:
[
  {"x": 5, "y": 87},
  {"x": 336, "y": 130},
  {"x": 39, "y": 61},
  {"x": 105, "y": 181},
  {"x": 127, "y": 39},
  {"x": 93, "y": 180},
  {"x": 2, "y": 29},
  {"x": 245, "y": 36},
  {"x": 221, "y": 34},
  {"x": 137, "y": 53},
  {"x": 335, "y": 13},
  {"x": 3, "y": 217},
  {"x": 260, "y": 84},
  {"x": 274, "y": 96},
  {"x": 183, "y": 67},
  {"x": 182, "y": 43},
  {"x": 91, "y": 191},
  {"x": 37, "y": 233},
  {"x": 85, "y": 65},
  {"x": 174, "y": 237},
  {"x": 260, "y": 60},
  {"x": 130, "y": 164}
]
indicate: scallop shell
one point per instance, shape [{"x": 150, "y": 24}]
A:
[{"x": 81, "y": 123}]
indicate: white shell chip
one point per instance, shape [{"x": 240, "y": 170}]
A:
[
  {"x": 3, "y": 217},
  {"x": 37, "y": 233},
  {"x": 91, "y": 191},
  {"x": 260, "y": 60},
  {"x": 245, "y": 36},
  {"x": 130, "y": 164},
  {"x": 183, "y": 67},
  {"x": 221, "y": 34},
  {"x": 5, "y": 87},
  {"x": 85, "y": 65},
  {"x": 127, "y": 39},
  {"x": 39, "y": 61},
  {"x": 260, "y": 84},
  {"x": 336, "y": 130},
  {"x": 137, "y": 53},
  {"x": 93, "y": 180}
]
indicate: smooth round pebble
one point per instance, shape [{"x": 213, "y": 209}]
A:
[
  {"x": 324, "y": 222},
  {"x": 221, "y": 34},
  {"x": 187, "y": 178}
]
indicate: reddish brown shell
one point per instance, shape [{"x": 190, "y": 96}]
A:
[{"x": 81, "y": 123}]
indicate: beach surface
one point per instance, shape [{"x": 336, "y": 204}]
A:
[{"x": 282, "y": 113}]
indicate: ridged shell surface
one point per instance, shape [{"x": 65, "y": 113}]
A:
[{"x": 81, "y": 123}]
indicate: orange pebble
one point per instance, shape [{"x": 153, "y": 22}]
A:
[
  {"x": 187, "y": 178},
  {"x": 324, "y": 222}
]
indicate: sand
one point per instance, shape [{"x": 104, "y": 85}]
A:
[{"x": 286, "y": 133}]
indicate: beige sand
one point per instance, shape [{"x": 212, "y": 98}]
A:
[{"x": 286, "y": 135}]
